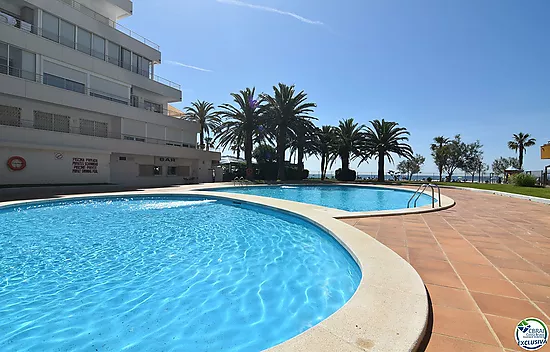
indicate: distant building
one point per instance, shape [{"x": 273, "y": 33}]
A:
[{"x": 80, "y": 101}]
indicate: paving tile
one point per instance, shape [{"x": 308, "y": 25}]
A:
[
  {"x": 401, "y": 250},
  {"x": 504, "y": 329},
  {"x": 448, "y": 279},
  {"x": 492, "y": 286},
  {"x": 511, "y": 264},
  {"x": 536, "y": 292},
  {"x": 485, "y": 271},
  {"x": 504, "y": 306},
  {"x": 529, "y": 277},
  {"x": 442, "y": 343},
  {"x": 545, "y": 308},
  {"x": 468, "y": 325},
  {"x": 426, "y": 253},
  {"x": 451, "y": 297}
]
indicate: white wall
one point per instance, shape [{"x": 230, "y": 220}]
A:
[{"x": 44, "y": 168}]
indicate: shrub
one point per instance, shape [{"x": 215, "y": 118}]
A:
[
  {"x": 346, "y": 175},
  {"x": 429, "y": 179},
  {"x": 524, "y": 180}
]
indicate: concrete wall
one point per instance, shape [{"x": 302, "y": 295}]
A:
[{"x": 53, "y": 166}]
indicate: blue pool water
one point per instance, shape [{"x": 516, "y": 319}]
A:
[
  {"x": 349, "y": 198},
  {"x": 164, "y": 274}
]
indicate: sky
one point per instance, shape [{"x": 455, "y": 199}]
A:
[{"x": 479, "y": 68}]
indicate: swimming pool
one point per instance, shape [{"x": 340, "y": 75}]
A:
[
  {"x": 348, "y": 198},
  {"x": 164, "y": 273}
]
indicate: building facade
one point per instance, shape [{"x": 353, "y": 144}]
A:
[{"x": 80, "y": 102}]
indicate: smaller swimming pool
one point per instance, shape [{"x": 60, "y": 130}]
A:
[{"x": 348, "y": 198}]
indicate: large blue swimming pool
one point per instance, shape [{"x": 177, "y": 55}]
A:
[
  {"x": 349, "y": 198},
  {"x": 164, "y": 274}
]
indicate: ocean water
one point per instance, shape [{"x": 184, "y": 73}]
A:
[
  {"x": 164, "y": 274},
  {"x": 349, "y": 198}
]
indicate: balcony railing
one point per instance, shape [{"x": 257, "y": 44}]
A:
[
  {"x": 69, "y": 43},
  {"x": 62, "y": 83},
  {"x": 83, "y": 132},
  {"x": 100, "y": 18}
]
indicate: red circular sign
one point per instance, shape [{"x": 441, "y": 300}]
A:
[{"x": 17, "y": 163}]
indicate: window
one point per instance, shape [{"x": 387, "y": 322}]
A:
[
  {"x": 50, "y": 27},
  {"x": 105, "y": 96},
  {"x": 146, "y": 69},
  {"x": 126, "y": 59},
  {"x": 51, "y": 122},
  {"x": 114, "y": 53},
  {"x": 63, "y": 83},
  {"x": 98, "y": 46},
  {"x": 22, "y": 63},
  {"x": 94, "y": 128},
  {"x": 136, "y": 60},
  {"x": 3, "y": 58},
  {"x": 172, "y": 171},
  {"x": 152, "y": 106},
  {"x": 66, "y": 33},
  {"x": 10, "y": 116},
  {"x": 84, "y": 41},
  {"x": 157, "y": 170},
  {"x": 122, "y": 158},
  {"x": 134, "y": 101}
]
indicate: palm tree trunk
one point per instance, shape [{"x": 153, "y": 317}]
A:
[
  {"x": 281, "y": 144},
  {"x": 248, "y": 151},
  {"x": 440, "y": 174},
  {"x": 301, "y": 158},
  {"x": 202, "y": 138},
  {"x": 520, "y": 157},
  {"x": 322, "y": 166},
  {"x": 345, "y": 161},
  {"x": 380, "y": 166}
]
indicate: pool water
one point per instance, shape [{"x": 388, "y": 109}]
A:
[
  {"x": 348, "y": 198},
  {"x": 164, "y": 274}
]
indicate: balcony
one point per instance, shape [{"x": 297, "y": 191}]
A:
[
  {"x": 73, "y": 86},
  {"x": 69, "y": 43},
  {"x": 102, "y": 19},
  {"x": 64, "y": 128}
]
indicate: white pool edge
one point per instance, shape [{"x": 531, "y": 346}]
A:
[{"x": 389, "y": 310}]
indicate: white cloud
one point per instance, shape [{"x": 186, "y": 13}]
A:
[
  {"x": 271, "y": 9},
  {"x": 188, "y": 66}
]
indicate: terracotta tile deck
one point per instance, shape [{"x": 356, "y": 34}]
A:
[{"x": 485, "y": 263}]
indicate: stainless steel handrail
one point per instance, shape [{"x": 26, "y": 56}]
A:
[{"x": 420, "y": 190}]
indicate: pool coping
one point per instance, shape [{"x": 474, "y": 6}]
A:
[
  {"x": 443, "y": 202},
  {"x": 388, "y": 311}
]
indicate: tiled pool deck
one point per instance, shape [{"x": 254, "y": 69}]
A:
[{"x": 485, "y": 263}]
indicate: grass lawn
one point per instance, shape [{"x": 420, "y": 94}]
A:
[{"x": 527, "y": 191}]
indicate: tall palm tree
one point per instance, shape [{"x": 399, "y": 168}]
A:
[
  {"x": 382, "y": 139},
  {"x": 301, "y": 135},
  {"x": 282, "y": 109},
  {"x": 208, "y": 141},
  {"x": 348, "y": 141},
  {"x": 324, "y": 143},
  {"x": 240, "y": 123},
  {"x": 519, "y": 144},
  {"x": 205, "y": 114},
  {"x": 438, "y": 153}
]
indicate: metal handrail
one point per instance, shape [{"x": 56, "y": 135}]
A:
[
  {"x": 106, "y": 21},
  {"x": 420, "y": 190}
]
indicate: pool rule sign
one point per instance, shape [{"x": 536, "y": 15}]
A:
[{"x": 85, "y": 166}]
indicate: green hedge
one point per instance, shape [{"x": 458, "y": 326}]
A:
[
  {"x": 523, "y": 180},
  {"x": 347, "y": 175}
]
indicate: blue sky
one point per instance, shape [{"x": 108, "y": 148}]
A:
[{"x": 478, "y": 68}]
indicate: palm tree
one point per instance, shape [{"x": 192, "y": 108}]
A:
[
  {"x": 204, "y": 113},
  {"x": 208, "y": 141},
  {"x": 324, "y": 144},
  {"x": 348, "y": 141},
  {"x": 438, "y": 153},
  {"x": 241, "y": 123},
  {"x": 282, "y": 110},
  {"x": 301, "y": 135},
  {"x": 519, "y": 144},
  {"x": 384, "y": 138}
]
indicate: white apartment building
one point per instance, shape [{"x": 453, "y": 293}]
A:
[{"x": 80, "y": 102}]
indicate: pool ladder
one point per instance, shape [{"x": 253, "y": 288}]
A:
[
  {"x": 239, "y": 181},
  {"x": 421, "y": 190}
]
